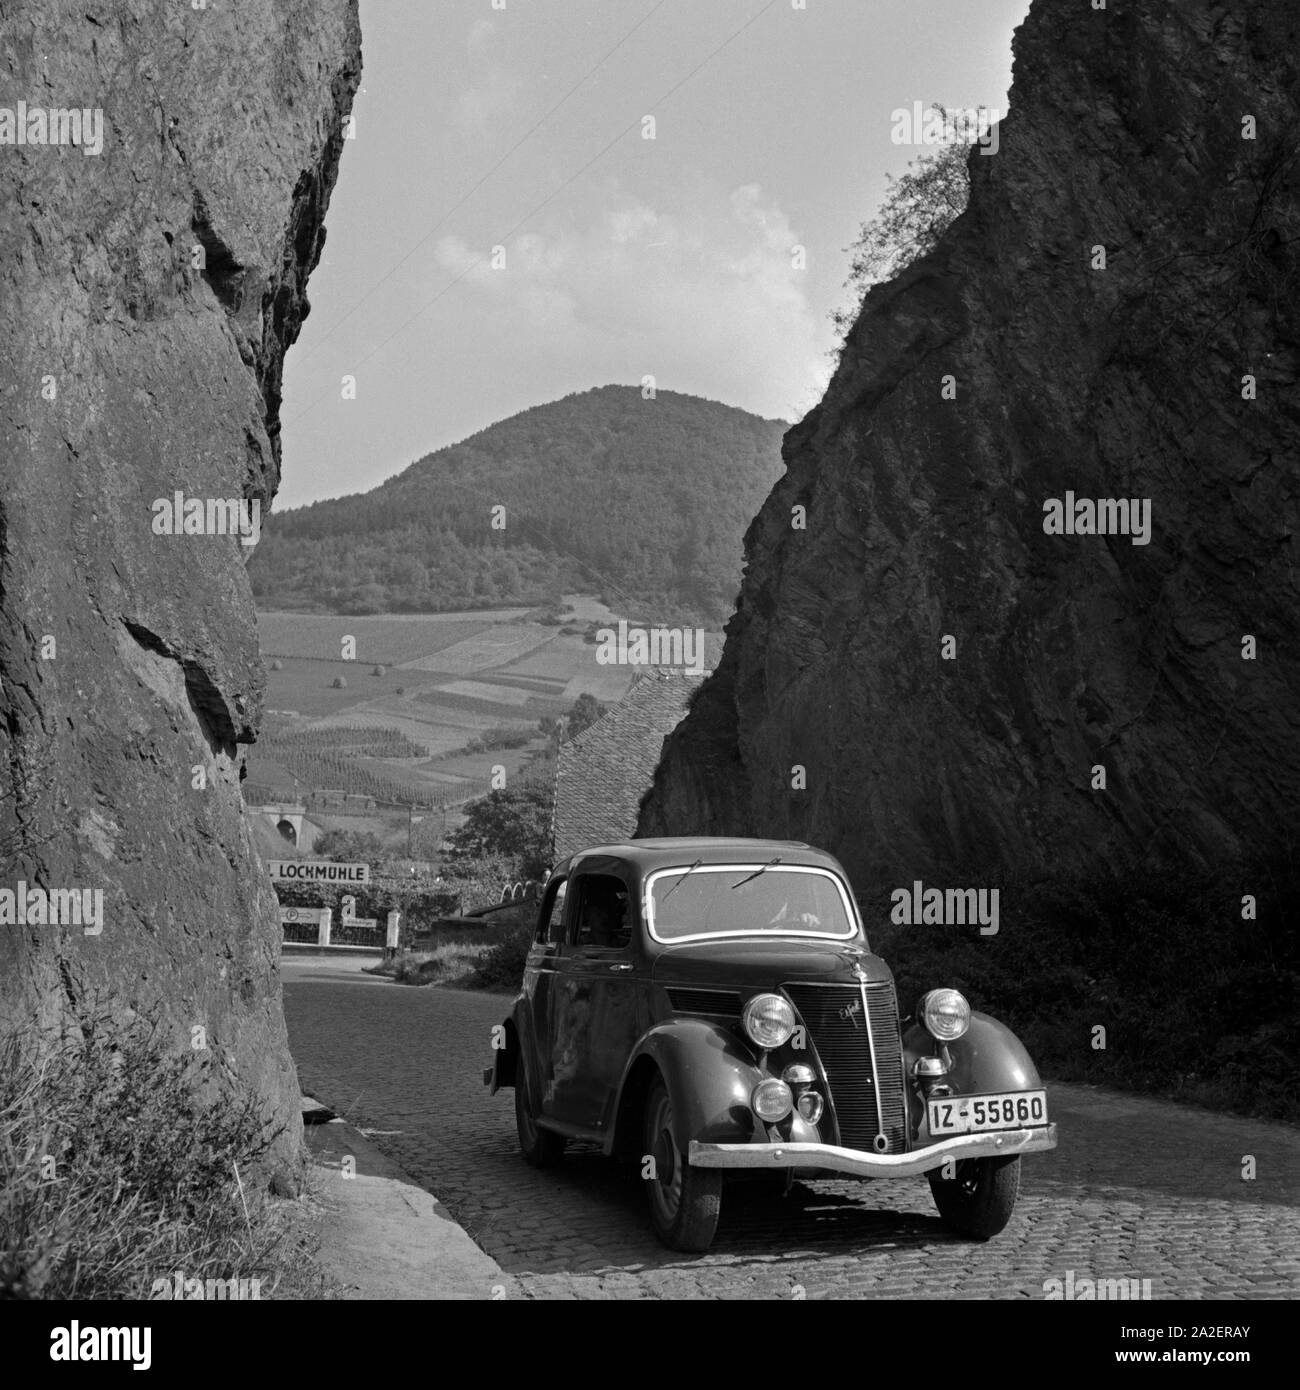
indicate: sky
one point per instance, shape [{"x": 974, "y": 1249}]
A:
[{"x": 503, "y": 233}]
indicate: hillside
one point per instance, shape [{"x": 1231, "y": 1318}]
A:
[{"x": 643, "y": 502}]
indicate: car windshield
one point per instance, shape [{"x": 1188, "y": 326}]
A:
[{"x": 746, "y": 900}]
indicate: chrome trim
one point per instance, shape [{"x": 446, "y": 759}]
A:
[
  {"x": 846, "y": 899},
  {"x": 865, "y": 1165},
  {"x": 875, "y": 1070}
]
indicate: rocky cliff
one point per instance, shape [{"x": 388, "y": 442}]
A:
[
  {"x": 948, "y": 651},
  {"x": 164, "y": 176}
]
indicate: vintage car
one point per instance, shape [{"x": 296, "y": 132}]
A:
[{"x": 711, "y": 1007}]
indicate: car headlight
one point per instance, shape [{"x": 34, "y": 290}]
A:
[
  {"x": 945, "y": 1013},
  {"x": 768, "y": 1020},
  {"x": 771, "y": 1100}
]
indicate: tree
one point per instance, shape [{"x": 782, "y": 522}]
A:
[
  {"x": 348, "y": 845},
  {"x": 583, "y": 713},
  {"x": 513, "y": 823},
  {"x": 919, "y": 207}
]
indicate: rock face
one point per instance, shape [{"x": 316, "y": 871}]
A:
[
  {"x": 149, "y": 292},
  {"x": 1169, "y": 375}
]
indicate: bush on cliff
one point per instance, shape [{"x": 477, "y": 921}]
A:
[{"x": 115, "y": 1172}]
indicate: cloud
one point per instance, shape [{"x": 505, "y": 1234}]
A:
[
  {"x": 480, "y": 33},
  {"x": 704, "y": 297},
  {"x": 493, "y": 95}
]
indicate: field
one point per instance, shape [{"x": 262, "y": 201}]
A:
[
  {"x": 426, "y": 685},
  {"x": 389, "y": 640}
]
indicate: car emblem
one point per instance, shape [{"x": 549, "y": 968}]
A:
[{"x": 851, "y": 1011}]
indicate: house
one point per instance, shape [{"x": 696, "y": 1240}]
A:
[{"x": 602, "y": 774}]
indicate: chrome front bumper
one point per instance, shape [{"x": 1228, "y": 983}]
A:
[{"x": 869, "y": 1165}]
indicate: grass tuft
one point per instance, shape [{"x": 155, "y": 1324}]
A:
[{"x": 118, "y": 1167}]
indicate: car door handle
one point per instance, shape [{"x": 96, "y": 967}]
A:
[{"x": 620, "y": 967}]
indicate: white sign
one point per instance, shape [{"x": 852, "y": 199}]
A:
[
  {"x": 316, "y": 871},
  {"x": 313, "y": 915}
]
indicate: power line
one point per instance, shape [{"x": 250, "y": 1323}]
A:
[
  {"x": 555, "y": 193},
  {"x": 523, "y": 139}
]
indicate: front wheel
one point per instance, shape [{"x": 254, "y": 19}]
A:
[
  {"x": 977, "y": 1201},
  {"x": 685, "y": 1202},
  {"x": 541, "y": 1147}
]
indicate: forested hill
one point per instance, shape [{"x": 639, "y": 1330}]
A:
[{"x": 642, "y": 502}]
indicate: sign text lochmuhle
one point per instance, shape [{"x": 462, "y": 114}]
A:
[{"x": 316, "y": 871}]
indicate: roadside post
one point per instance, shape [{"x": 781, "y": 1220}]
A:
[{"x": 390, "y": 948}]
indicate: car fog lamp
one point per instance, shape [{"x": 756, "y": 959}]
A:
[
  {"x": 945, "y": 1013},
  {"x": 771, "y": 1100},
  {"x": 810, "y": 1105},
  {"x": 768, "y": 1020}
]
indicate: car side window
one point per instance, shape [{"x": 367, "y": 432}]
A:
[
  {"x": 551, "y": 923},
  {"x": 602, "y": 915}
]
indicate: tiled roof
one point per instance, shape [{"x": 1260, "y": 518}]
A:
[{"x": 602, "y": 774}]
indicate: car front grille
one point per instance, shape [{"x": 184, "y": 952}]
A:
[
  {"x": 717, "y": 1003},
  {"x": 833, "y": 1016}
]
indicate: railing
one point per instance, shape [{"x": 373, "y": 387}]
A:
[
  {"x": 349, "y": 933},
  {"x": 316, "y": 927}
]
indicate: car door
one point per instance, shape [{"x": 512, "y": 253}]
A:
[
  {"x": 596, "y": 1007},
  {"x": 539, "y": 974}
]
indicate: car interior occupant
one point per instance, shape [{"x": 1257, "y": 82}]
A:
[{"x": 602, "y": 917}]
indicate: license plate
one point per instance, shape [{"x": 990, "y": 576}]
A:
[{"x": 980, "y": 1114}]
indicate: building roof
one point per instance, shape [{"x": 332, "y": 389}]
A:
[{"x": 602, "y": 774}]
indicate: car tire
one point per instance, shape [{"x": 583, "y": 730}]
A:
[
  {"x": 977, "y": 1201},
  {"x": 541, "y": 1147},
  {"x": 685, "y": 1202}
]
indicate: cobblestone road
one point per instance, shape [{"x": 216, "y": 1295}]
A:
[{"x": 1137, "y": 1188}]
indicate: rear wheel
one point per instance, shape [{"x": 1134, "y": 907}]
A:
[
  {"x": 977, "y": 1201},
  {"x": 685, "y": 1202},
  {"x": 541, "y": 1147}
]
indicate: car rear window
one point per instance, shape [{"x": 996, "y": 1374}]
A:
[{"x": 717, "y": 900}]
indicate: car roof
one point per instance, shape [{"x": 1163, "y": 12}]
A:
[{"x": 668, "y": 851}]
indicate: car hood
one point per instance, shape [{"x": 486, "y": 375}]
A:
[{"x": 755, "y": 964}]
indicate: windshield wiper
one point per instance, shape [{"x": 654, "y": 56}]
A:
[
  {"x": 756, "y": 872},
  {"x": 683, "y": 879}
]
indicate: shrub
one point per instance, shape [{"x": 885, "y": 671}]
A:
[
  {"x": 502, "y": 736},
  {"x": 339, "y": 683},
  {"x": 115, "y": 1171},
  {"x": 501, "y": 967},
  {"x": 1197, "y": 1003},
  {"x": 449, "y": 964}
]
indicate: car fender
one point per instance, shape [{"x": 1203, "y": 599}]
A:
[
  {"x": 710, "y": 1074},
  {"x": 987, "y": 1059}
]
